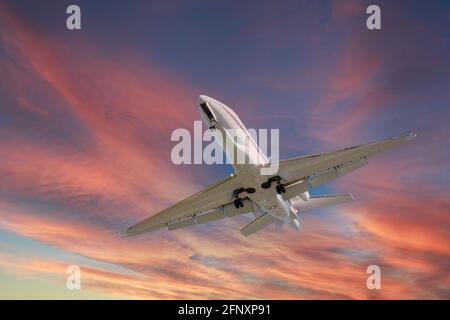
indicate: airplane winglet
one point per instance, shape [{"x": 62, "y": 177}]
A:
[
  {"x": 123, "y": 233},
  {"x": 407, "y": 137}
]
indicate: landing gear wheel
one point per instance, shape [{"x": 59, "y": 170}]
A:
[
  {"x": 266, "y": 185},
  {"x": 237, "y": 192},
  {"x": 275, "y": 179},
  {"x": 280, "y": 188},
  {"x": 250, "y": 190},
  {"x": 238, "y": 203}
]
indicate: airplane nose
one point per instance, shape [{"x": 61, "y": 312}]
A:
[{"x": 202, "y": 99}]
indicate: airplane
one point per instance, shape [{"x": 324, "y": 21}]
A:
[{"x": 277, "y": 199}]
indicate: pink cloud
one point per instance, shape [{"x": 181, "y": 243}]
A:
[{"x": 127, "y": 107}]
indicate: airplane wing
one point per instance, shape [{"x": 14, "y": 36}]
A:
[
  {"x": 212, "y": 203},
  {"x": 321, "y": 168}
]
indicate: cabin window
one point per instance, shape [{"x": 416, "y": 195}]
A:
[{"x": 207, "y": 111}]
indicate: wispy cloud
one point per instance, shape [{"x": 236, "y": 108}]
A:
[{"x": 85, "y": 137}]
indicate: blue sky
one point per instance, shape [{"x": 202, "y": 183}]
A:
[{"x": 85, "y": 124}]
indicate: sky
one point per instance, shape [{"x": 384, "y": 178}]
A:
[{"x": 86, "y": 118}]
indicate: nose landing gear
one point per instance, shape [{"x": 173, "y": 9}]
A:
[{"x": 212, "y": 125}]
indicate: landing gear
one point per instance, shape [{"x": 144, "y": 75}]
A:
[
  {"x": 238, "y": 202},
  {"x": 266, "y": 185},
  {"x": 280, "y": 188},
  {"x": 250, "y": 190}
]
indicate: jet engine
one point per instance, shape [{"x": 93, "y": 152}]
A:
[{"x": 304, "y": 196}]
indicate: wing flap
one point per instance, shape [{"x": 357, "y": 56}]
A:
[
  {"x": 211, "y": 216},
  {"x": 187, "y": 222}
]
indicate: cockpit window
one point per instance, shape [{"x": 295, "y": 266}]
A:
[{"x": 207, "y": 111}]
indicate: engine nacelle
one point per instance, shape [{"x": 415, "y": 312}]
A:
[
  {"x": 305, "y": 196},
  {"x": 299, "y": 202}
]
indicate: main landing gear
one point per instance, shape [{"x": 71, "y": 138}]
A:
[
  {"x": 279, "y": 187},
  {"x": 238, "y": 203}
]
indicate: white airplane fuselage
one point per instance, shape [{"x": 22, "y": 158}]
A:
[{"x": 237, "y": 142}]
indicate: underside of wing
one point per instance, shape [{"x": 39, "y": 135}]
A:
[
  {"x": 320, "y": 168},
  {"x": 212, "y": 203}
]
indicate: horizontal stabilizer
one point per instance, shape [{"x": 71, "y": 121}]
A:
[
  {"x": 258, "y": 224},
  {"x": 319, "y": 201}
]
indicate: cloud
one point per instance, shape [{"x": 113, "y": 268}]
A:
[{"x": 85, "y": 148}]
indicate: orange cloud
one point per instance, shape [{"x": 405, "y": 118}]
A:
[{"x": 86, "y": 191}]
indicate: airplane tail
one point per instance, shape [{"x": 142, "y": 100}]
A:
[{"x": 316, "y": 202}]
